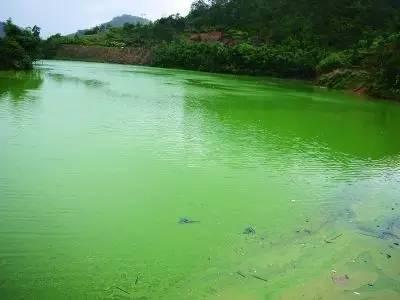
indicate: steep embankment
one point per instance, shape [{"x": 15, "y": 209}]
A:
[{"x": 135, "y": 56}]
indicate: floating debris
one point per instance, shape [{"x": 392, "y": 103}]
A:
[
  {"x": 137, "y": 280},
  {"x": 118, "y": 288},
  {"x": 241, "y": 274},
  {"x": 122, "y": 290},
  {"x": 187, "y": 221},
  {"x": 330, "y": 241},
  {"x": 388, "y": 256},
  {"x": 386, "y": 235},
  {"x": 339, "y": 279},
  {"x": 371, "y": 235},
  {"x": 388, "y": 230},
  {"x": 249, "y": 230},
  {"x": 259, "y": 278}
]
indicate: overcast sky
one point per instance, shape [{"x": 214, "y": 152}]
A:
[{"x": 67, "y": 16}]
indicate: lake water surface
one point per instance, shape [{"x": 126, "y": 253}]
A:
[{"x": 99, "y": 162}]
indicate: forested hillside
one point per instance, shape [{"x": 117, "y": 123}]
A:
[
  {"x": 343, "y": 43},
  {"x": 116, "y": 22}
]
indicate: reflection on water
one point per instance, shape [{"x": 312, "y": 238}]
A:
[
  {"x": 17, "y": 85},
  {"x": 96, "y": 176},
  {"x": 93, "y": 83},
  {"x": 333, "y": 127}
]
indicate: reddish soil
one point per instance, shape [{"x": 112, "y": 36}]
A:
[{"x": 134, "y": 56}]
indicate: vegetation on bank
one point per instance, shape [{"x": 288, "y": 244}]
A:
[
  {"x": 341, "y": 44},
  {"x": 19, "y": 48},
  {"x": 372, "y": 67},
  {"x": 288, "y": 59}
]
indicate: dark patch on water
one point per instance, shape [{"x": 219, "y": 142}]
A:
[
  {"x": 210, "y": 85},
  {"x": 91, "y": 83}
]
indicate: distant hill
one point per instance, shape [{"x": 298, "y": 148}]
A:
[
  {"x": 117, "y": 22},
  {"x": 2, "y": 33},
  {"x": 121, "y": 20}
]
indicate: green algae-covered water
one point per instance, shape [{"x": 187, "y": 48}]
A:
[{"x": 98, "y": 164}]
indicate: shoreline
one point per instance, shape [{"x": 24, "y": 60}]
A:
[{"x": 357, "y": 91}]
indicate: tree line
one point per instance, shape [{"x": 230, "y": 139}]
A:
[{"x": 342, "y": 43}]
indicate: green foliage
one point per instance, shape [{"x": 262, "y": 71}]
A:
[
  {"x": 195, "y": 56},
  {"x": 94, "y": 30},
  {"x": 374, "y": 66},
  {"x": 20, "y": 47},
  {"x": 346, "y": 79},
  {"x": 50, "y": 46},
  {"x": 383, "y": 60},
  {"x": 333, "y": 23},
  {"x": 286, "y": 60},
  {"x": 334, "y": 61},
  {"x": 237, "y": 35}
]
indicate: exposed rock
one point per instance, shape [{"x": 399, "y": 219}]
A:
[
  {"x": 135, "y": 56},
  {"x": 212, "y": 36}
]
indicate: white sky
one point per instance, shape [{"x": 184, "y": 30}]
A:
[{"x": 67, "y": 16}]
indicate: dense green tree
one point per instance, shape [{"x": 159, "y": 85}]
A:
[
  {"x": 383, "y": 59},
  {"x": 20, "y": 47}
]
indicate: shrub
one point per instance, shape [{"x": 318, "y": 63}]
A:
[
  {"x": 283, "y": 61},
  {"x": 20, "y": 47},
  {"x": 334, "y": 61}
]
